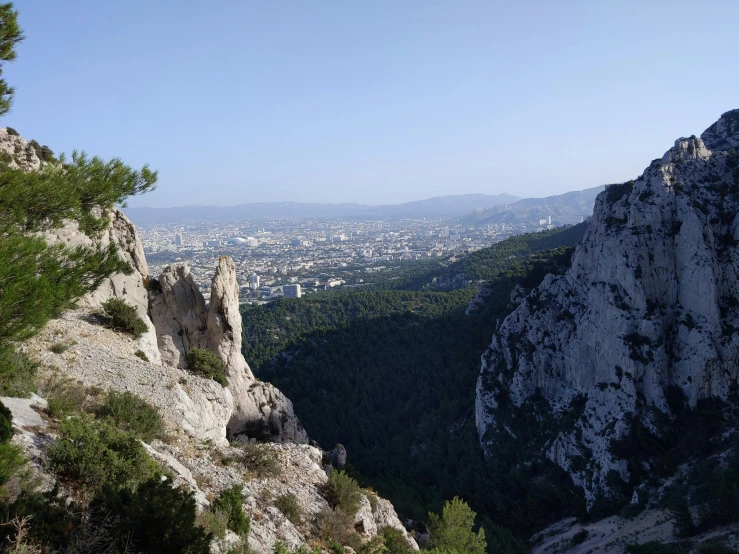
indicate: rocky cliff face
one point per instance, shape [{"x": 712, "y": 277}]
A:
[
  {"x": 183, "y": 322},
  {"x": 651, "y": 303}
]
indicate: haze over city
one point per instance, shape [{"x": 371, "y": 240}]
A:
[{"x": 377, "y": 103}]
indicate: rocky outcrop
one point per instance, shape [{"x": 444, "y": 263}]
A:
[
  {"x": 17, "y": 152},
  {"x": 650, "y": 302},
  {"x": 178, "y": 311},
  {"x": 130, "y": 287},
  {"x": 183, "y": 322},
  {"x": 191, "y": 406}
]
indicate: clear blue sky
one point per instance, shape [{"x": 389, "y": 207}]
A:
[{"x": 376, "y": 101}]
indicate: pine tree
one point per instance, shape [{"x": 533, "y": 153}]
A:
[{"x": 10, "y": 35}]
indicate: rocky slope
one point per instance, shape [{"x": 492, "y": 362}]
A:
[
  {"x": 649, "y": 305},
  {"x": 199, "y": 414}
]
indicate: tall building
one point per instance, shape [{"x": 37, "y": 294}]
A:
[
  {"x": 253, "y": 281},
  {"x": 291, "y": 291},
  {"x": 178, "y": 239}
]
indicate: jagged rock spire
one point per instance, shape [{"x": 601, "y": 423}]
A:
[{"x": 183, "y": 322}]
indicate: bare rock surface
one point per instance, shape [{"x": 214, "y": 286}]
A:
[
  {"x": 183, "y": 322},
  {"x": 178, "y": 311},
  {"x": 650, "y": 302},
  {"x": 97, "y": 356},
  {"x": 20, "y": 153},
  {"x": 24, "y": 414}
]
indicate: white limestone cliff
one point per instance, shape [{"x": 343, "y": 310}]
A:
[
  {"x": 650, "y": 302},
  {"x": 183, "y": 322}
]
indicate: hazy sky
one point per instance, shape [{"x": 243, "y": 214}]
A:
[{"x": 372, "y": 101}]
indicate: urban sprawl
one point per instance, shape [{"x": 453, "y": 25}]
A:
[{"x": 293, "y": 257}]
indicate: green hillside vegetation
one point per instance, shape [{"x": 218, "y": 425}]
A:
[
  {"x": 488, "y": 263},
  {"x": 391, "y": 374}
]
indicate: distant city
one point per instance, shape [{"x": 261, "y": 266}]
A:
[{"x": 294, "y": 257}]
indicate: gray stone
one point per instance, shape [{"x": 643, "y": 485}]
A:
[{"x": 644, "y": 306}]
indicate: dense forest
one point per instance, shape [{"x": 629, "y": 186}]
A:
[{"x": 391, "y": 374}]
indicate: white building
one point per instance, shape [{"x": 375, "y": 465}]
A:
[
  {"x": 253, "y": 281},
  {"x": 291, "y": 291}
]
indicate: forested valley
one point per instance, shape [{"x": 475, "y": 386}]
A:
[{"x": 391, "y": 372}]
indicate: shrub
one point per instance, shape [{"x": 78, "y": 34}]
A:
[
  {"x": 453, "y": 529},
  {"x": 54, "y": 518},
  {"x": 375, "y": 546},
  {"x": 12, "y": 132},
  {"x": 343, "y": 493},
  {"x": 207, "y": 364},
  {"x": 6, "y": 424},
  {"x": 20, "y": 543},
  {"x": 94, "y": 453},
  {"x": 214, "y": 523},
  {"x": 60, "y": 347},
  {"x": 395, "y": 541},
  {"x": 123, "y": 317},
  {"x": 141, "y": 355},
  {"x": 230, "y": 503},
  {"x": 155, "y": 517},
  {"x": 67, "y": 397},
  {"x": 11, "y": 460},
  {"x": 372, "y": 497},
  {"x": 261, "y": 460},
  {"x": 17, "y": 373},
  {"x": 288, "y": 505},
  {"x": 132, "y": 414},
  {"x": 337, "y": 526},
  {"x": 580, "y": 537}
]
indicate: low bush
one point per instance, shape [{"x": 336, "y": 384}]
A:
[
  {"x": 372, "y": 498},
  {"x": 155, "y": 518},
  {"x": 17, "y": 373},
  {"x": 123, "y": 317},
  {"x": 11, "y": 460},
  {"x": 132, "y": 414},
  {"x": 231, "y": 503},
  {"x": 53, "y": 517},
  {"x": 6, "y": 424},
  {"x": 207, "y": 364},
  {"x": 343, "y": 493},
  {"x": 214, "y": 523},
  {"x": 394, "y": 541},
  {"x": 337, "y": 526},
  {"x": 288, "y": 505},
  {"x": 12, "y": 131},
  {"x": 67, "y": 397},
  {"x": 580, "y": 537},
  {"x": 141, "y": 355},
  {"x": 94, "y": 453},
  {"x": 261, "y": 460},
  {"x": 280, "y": 548},
  {"x": 59, "y": 347}
]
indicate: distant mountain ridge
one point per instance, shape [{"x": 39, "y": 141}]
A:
[
  {"x": 563, "y": 208},
  {"x": 439, "y": 206}
]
